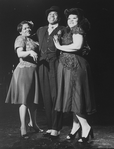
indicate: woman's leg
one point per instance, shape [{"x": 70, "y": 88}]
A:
[
  {"x": 85, "y": 126},
  {"x": 76, "y": 124},
  {"x": 30, "y": 118},
  {"x": 22, "y": 113},
  {"x": 33, "y": 118},
  {"x": 75, "y": 128},
  {"x": 32, "y": 111}
]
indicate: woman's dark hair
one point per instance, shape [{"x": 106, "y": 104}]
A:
[
  {"x": 20, "y": 25},
  {"x": 82, "y": 21},
  {"x": 85, "y": 24},
  {"x": 75, "y": 11}
]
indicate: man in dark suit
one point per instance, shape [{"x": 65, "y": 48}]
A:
[{"x": 48, "y": 62}]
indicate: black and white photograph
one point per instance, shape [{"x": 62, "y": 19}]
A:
[{"x": 56, "y": 74}]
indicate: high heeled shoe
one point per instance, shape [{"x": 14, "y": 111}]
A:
[
  {"x": 36, "y": 129},
  {"x": 86, "y": 139},
  {"x": 25, "y": 136},
  {"x": 72, "y": 136}
]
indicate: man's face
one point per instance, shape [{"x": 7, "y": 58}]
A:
[{"x": 52, "y": 17}]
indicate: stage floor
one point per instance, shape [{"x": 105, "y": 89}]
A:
[{"x": 103, "y": 128}]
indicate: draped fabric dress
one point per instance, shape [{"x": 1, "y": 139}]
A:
[
  {"x": 75, "y": 87},
  {"x": 23, "y": 88}
]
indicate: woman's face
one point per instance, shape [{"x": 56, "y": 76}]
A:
[
  {"x": 26, "y": 30},
  {"x": 72, "y": 20},
  {"x": 52, "y": 17}
]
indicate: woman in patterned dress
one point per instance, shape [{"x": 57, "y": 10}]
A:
[
  {"x": 75, "y": 90},
  {"x": 23, "y": 89}
]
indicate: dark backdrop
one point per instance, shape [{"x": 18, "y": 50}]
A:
[{"x": 100, "y": 38}]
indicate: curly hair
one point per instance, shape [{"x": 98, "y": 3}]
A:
[{"x": 20, "y": 25}]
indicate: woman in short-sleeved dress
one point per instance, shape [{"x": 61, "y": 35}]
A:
[
  {"x": 75, "y": 90},
  {"x": 23, "y": 87}
]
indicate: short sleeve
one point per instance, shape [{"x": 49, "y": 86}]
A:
[
  {"x": 77, "y": 30},
  {"x": 19, "y": 42}
]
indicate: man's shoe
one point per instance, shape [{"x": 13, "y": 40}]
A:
[
  {"x": 54, "y": 135},
  {"x": 46, "y": 135}
]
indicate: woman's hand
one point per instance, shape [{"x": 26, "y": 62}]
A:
[
  {"x": 34, "y": 55},
  {"x": 55, "y": 37}
]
